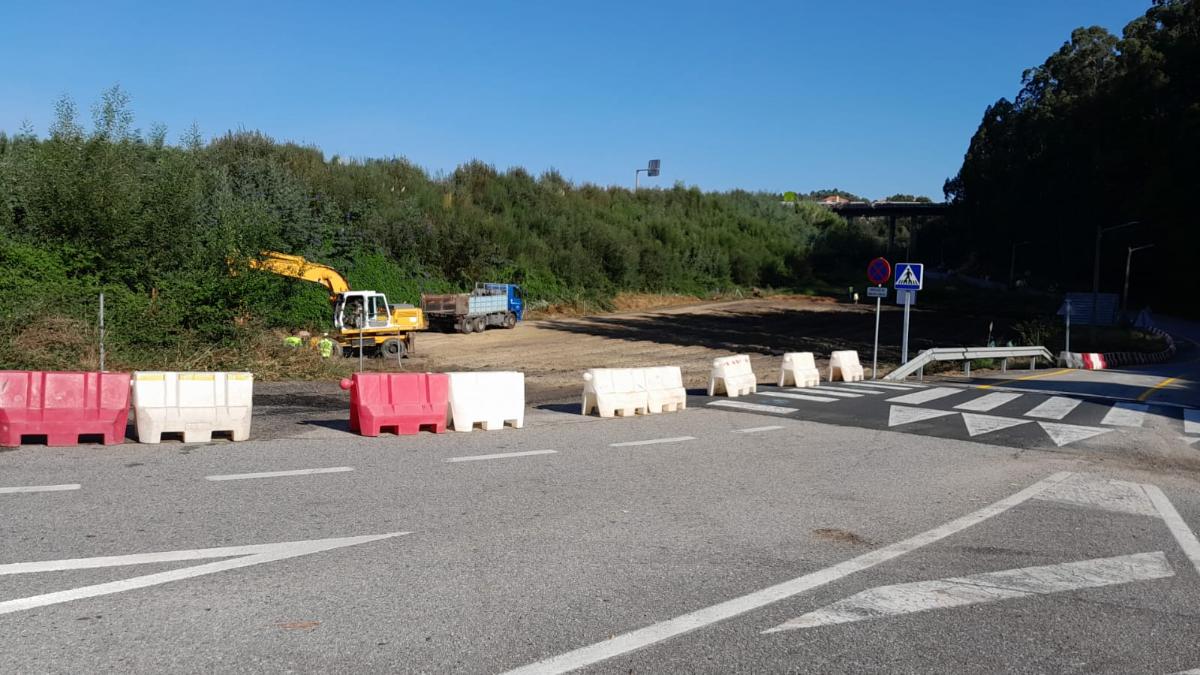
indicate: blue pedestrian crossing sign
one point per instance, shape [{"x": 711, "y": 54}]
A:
[{"x": 909, "y": 276}]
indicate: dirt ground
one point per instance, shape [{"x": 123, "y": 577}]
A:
[{"x": 553, "y": 353}]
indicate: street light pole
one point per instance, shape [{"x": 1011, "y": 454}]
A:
[
  {"x": 1128, "y": 260},
  {"x": 1096, "y": 272}
]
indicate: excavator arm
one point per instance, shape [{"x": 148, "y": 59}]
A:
[{"x": 297, "y": 267}]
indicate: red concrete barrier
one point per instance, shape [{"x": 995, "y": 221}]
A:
[
  {"x": 1093, "y": 361},
  {"x": 63, "y": 406},
  {"x": 405, "y": 402}
]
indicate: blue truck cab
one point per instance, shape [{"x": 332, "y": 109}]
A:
[{"x": 516, "y": 297}]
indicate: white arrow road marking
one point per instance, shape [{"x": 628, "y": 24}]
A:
[
  {"x": 1175, "y": 523},
  {"x": 984, "y": 424},
  {"x": 926, "y": 395},
  {"x": 755, "y": 430},
  {"x": 885, "y": 601},
  {"x": 1054, "y": 408},
  {"x": 665, "y": 630},
  {"x": 1189, "y": 441},
  {"x": 1126, "y": 414},
  {"x": 39, "y": 488},
  {"x": 988, "y": 401},
  {"x": 249, "y": 555},
  {"x": 1191, "y": 421},
  {"x": 756, "y": 407},
  {"x": 1110, "y": 495},
  {"x": 901, "y": 415},
  {"x": 1062, "y": 434}
]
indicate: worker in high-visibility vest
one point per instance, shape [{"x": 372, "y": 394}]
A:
[
  {"x": 293, "y": 341},
  {"x": 325, "y": 346}
]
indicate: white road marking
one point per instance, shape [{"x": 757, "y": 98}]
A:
[
  {"x": 755, "y": 430},
  {"x": 879, "y": 385},
  {"x": 39, "y": 488},
  {"x": 653, "y": 441},
  {"x": 1191, "y": 421},
  {"x": 985, "y": 424},
  {"x": 499, "y": 455},
  {"x": 926, "y": 395},
  {"x": 1189, "y": 441},
  {"x": 1175, "y": 523},
  {"x": 988, "y": 401},
  {"x": 277, "y": 474},
  {"x": 902, "y": 415},
  {"x": 857, "y": 391},
  {"x": 755, "y": 407},
  {"x": 1063, "y": 434},
  {"x": 248, "y": 555},
  {"x": 920, "y": 596},
  {"x": 1054, "y": 408},
  {"x": 1095, "y": 492},
  {"x": 1126, "y": 414},
  {"x": 644, "y": 637},
  {"x": 807, "y": 397}
]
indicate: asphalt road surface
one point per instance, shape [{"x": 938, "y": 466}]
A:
[{"x": 830, "y": 537}]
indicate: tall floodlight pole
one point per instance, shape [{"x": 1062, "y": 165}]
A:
[
  {"x": 1096, "y": 272},
  {"x": 651, "y": 170},
  {"x": 1128, "y": 260}
]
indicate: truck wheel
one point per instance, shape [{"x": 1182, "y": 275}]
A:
[
  {"x": 467, "y": 326},
  {"x": 392, "y": 348},
  {"x": 510, "y": 320},
  {"x": 480, "y": 325}
]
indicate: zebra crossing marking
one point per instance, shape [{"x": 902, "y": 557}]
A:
[
  {"x": 755, "y": 407},
  {"x": 988, "y": 401},
  {"x": 1054, "y": 408},
  {"x": 1126, "y": 415},
  {"x": 926, "y": 395},
  {"x": 857, "y": 391},
  {"x": 798, "y": 397},
  {"x": 877, "y": 385}
]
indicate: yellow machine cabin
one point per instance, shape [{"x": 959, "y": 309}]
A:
[{"x": 363, "y": 319}]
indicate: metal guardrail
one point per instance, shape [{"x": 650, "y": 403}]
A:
[{"x": 968, "y": 354}]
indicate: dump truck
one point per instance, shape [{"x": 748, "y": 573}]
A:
[
  {"x": 364, "y": 320},
  {"x": 500, "y": 305}
]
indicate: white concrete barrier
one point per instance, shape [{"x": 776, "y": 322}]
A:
[
  {"x": 490, "y": 399},
  {"x": 664, "y": 389},
  {"x": 194, "y": 404},
  {"x": 844, "y": 366},
  {"x": 799, "y": 369},
  {"x": 613, "y": 391},
  {"x": 732, "y": 376}
]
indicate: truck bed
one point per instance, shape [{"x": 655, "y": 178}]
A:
[{"x": 463, "y": 304}]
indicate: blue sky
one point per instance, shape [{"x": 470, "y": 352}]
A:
[{"x": 875, "y": 97}]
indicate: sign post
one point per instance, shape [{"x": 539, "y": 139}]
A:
[
  {"x": 909, "y": 279},
  {"x": 878, "y": 272}
]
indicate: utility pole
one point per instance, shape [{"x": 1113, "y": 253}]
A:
[{"x": 1096, "y": 274}]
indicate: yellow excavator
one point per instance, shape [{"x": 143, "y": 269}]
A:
[{"x": 364, "y": 320}]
